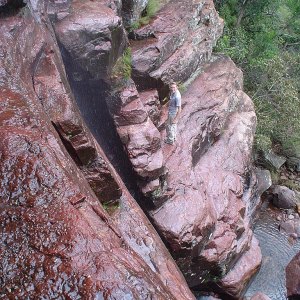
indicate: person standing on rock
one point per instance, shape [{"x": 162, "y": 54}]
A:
[{"x": 174, "y": 112}]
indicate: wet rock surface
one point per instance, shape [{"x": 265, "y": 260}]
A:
[
  {"x": 292, "y": 278},
  {"x": 57, "y": 240},
  {"x": 234, "y": 282},
  {"x": 203, "y": 188},
  {"x": 175, "y": 43},
  {"x": 137, "y": 132},
  {"x": 52, "y": 88},
  {"x": 93, "y": 36},
  {"x": 205, "y": 184}
]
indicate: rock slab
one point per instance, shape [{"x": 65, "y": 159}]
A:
[{"x": 292, "y": 278}]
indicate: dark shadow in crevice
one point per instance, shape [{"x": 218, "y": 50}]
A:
[
  {"x": 91, "y": 96},
  {"x": 10, "y": 8}
]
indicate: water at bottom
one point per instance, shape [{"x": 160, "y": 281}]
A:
[{"x": 277, "y": 251}]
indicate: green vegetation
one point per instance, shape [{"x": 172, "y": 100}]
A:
[
  {"x": 111, "y": 207},
  {"x": 290, "y": 184},
  {"x": 263, "y": 38},
  {"x": 151, "y": 9},
  {"x": 122, "y": 68}
]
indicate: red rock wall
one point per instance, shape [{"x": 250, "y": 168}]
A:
[
  {"x": 55, "y": 175},
  {"x": 57, "y": 240},
  {"x": 200, "y": 186}
]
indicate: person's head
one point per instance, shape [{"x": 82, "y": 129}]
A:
[{"x": 173, "y": 87}]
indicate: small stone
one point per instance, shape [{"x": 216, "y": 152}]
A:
[{"x": 291, "y": 217}]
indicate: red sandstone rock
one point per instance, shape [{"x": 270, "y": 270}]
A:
[
  {"x": 92, "y": 35},
  {"x": 51, "y": 87},
  {"x": 234, "y": 282},
  {"x": 292, "y": 278},
  {"x": 175, "y": 43},
  {"x": 204, "y": 219},
  {"x": 137, "y": 131},
  {"x": 151, "y": 102},
  {"x": 57, "y": 241},
  {"x": 207, "y": 172},
  {"x": 144, "y": 148},
  {"x": 130, "y": 108}
]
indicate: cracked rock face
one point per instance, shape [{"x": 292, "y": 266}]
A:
[
  {"x": 137, "y": 131},
  {"x": 55, "y": 176},
  {"x": 93, "y": 36},
  {"x": 208, "y": 178},
  {"x": 57, "y": 240},
  {"x": 175, "y": 43}
]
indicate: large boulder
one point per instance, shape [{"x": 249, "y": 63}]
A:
[
  {"x": 283, "y": 197},
  {"x": 57, "y": 239},
  {"x": 175, "y": 43},
  {"x": 137, "y": 131},
  {"x": 234, "y": 281},
  {"x": 93, "y": 37},
  {"x": 292, "y": 278},
  {"x": 204, "y": 215}
]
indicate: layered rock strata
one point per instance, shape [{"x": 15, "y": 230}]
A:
[
  {"x": 57, "y": 240},
  {"x": 175, "y": 43},
  {"x": 135, "y": 128},
  {"x": 208, "y": 179},
  {"x": 205, "y": 182},
  {"x": 203, "y": 187}
]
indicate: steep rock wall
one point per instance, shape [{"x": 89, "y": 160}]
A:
[
  {"x": 203, "y": 187},
  {"x": 57, "y": 240}
]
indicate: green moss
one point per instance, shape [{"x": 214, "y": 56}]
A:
[
  {"x": 111, "y": 207},
  {"x": 122, "y": 68},
  {"x": 151, "y": 9},
  {"x": 274, "y": 177},
  {"x": 181, "y": 87},
  {"x": 262, "y": 143}
]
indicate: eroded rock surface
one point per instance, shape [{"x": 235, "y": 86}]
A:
[
  {"x": 93, "y": 36},
  {"x": 203, "y": 187},
  {"x": 57, "y": 240},
  {"x": 175, "y": 43},
  {"x": 137, "y": 131},
  {"x": 208, "y": 176}
]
